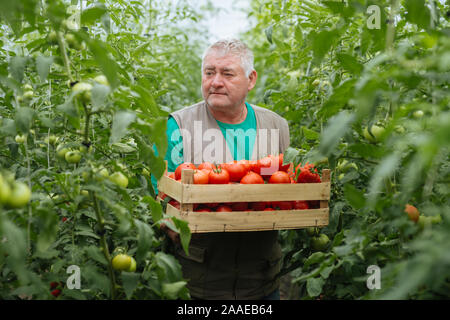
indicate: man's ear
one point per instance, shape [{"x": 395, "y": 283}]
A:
[{"x": 252, "y": 80}]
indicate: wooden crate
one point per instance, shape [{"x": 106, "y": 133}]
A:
[{"x": 188, "y": 194}]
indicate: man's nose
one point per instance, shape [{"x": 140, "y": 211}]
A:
[{"x": 217, "y": 81}]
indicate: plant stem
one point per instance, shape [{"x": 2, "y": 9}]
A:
[
  {"x": 62, "y": 48},
  {"x": 104, "y": 244},
  {"x": 390, "y": 31}
]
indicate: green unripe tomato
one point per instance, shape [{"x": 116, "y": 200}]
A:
[
  {"x": 418, "y": 114},
  {"x": 73, "y": 156},
  {"x": 436, "y": 219},
  {"x": 61, "y": 151},
  {"x": 21, "y": 138},
  {"x": 424, "y": 222},
  {"x": 28, "y": 95},
  {"x": 20, "y": 195},
  {"x": 119, "y": 179},
  {"x": 52, "y": 38},
  {"x": 316, "y": 82},
  {"x": 82, "y": 90},
  {"x": 27, "y": 87},
  {"x": 84, "y": 149},
  {"x": 5, "y": 190},
  {"x": 312, "y": 231},
  {"x": 101, "y": 79},
  {"x": 72, "y": 41},
  {"x": 52, "y": 139},
  {"x": 320, "y": 243},
  {"x": 399, "y": 129},
  {"x": 121, "y": 262},
  {"x": 104, "y": 172},
  {"x": 377, "y": 132},
  {"x": 132, "y": 265}
]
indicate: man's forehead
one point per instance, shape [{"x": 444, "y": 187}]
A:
[{"x": 223, "y": 62}]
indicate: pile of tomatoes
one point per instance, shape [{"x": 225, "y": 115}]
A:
[{"x": 270, "y": 169}]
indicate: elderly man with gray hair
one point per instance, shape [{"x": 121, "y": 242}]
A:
[{"x": 221, "y": 128}]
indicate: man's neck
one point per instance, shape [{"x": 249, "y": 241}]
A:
[{"x": 238, "y": 115}]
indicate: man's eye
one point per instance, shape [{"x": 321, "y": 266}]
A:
[{"x": 228, "y": 74}]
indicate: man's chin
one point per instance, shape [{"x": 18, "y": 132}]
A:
[{"x": 218, "y": 103}]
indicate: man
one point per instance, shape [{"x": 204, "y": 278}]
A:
[{"x": 223, "y": 127}]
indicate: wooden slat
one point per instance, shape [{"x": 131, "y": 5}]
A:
[
  {"x": 325, "y": 178},
  {"x": 255, "y": 192},
  {"x": 252, "y": 220},
  {"x": 170, "y": 187},
  {"x": 187, "y": 178}
]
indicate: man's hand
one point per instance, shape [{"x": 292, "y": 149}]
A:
[{"x": 174, "y": 236}]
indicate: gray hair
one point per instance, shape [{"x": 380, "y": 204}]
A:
[{"x": 235, "y": 47}]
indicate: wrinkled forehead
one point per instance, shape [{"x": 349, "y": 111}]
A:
[{"x": 220, "y": 59}]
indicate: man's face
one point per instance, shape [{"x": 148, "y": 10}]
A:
[{"x": 224, "y": 84}]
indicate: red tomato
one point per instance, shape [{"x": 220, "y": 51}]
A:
[
  {"x": 201, "y": 177},
  {"x": 219, "y": 176},
  {"x": 280, "y": 177},
  {"x": 239, "y": 206},
  {"x": 236, "y": 170},
  {"x": 247, "y": 164},
  {"x": 282, "y": 167},
  {"x": 257, "y": 206},
  {"x": 185, "y": 165},
  {"x": 223, "y": 208},
  {"x": 205, "y": 165},
  {"x": 203, "y": 209},
  {"x": 301, "y": 205},
  {"x": 282, "y": 205},
  {"x": 307, "y": 174},
  {"x": 267, "y": 166},
  {"x": 269, "y": 209},
  {"x": 314, "y": 204},
  {"x": 252, "y": 178},
  {"x": 211, "y": 205},
  {"x": 174, "y": 203}
]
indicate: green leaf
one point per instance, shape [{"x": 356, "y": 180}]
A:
[
  {"x": 14, "y": 247},
  {"x": 24, "y": 118},
  {"x": 99, "y": 93},
  {"x": 185, "y": 233},
  {"x": 384, "y": 170},
  {"x": 314, "y": 286},
  {"x": 418, "y": 13},
  {"x": 145, "y": 239},
  {"x": 155, "y": 208},
  {"x": 338, "y": 99},
  {"x": 316, "y": 257},
  {"x": 171, "y": 290},
  {"x": 349, "y": 63},
  {"x": 322, "y": 42},
  {"x": 170, "y": 266},
  {"x": 354, "y": 197},
  {"x": 268, "y": 31},
  {"x": 121, "y": 121},
  {"x": 17, "y": 67},
  {"x": 310, "y": 134},
  {"x": 93, "y": 14},
  {"x": 43, "y": 65},
  {"x": 130, "y": 281},
  {"x": 336, "y": 128},
  {"x": 108, "y": 66}
]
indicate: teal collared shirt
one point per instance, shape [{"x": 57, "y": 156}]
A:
[{"x": 240, "y": 139}]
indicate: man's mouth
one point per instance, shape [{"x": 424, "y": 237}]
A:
[{"x": 219, "y": 93}]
